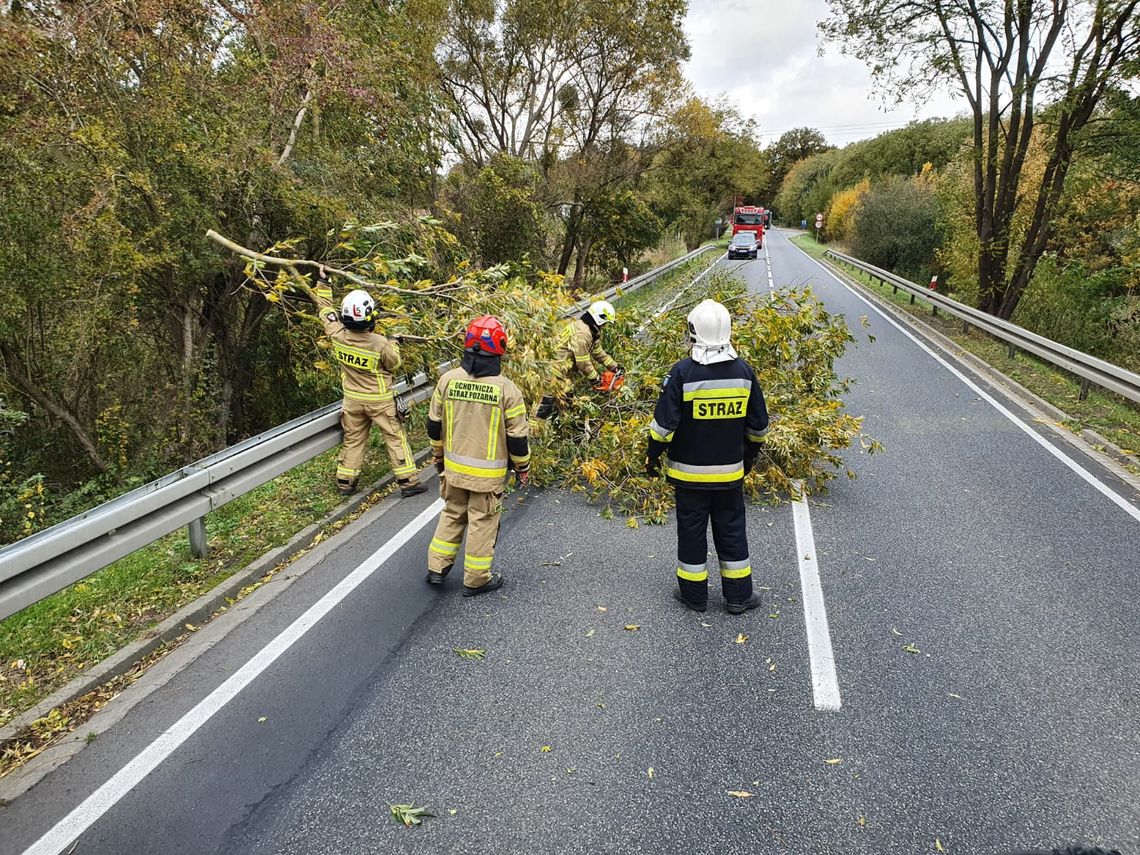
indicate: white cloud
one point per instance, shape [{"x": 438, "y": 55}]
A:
[{"x": 763, "y": 57}]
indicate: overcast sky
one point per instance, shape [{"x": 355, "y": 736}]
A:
[{"x": 763, "y": 56}]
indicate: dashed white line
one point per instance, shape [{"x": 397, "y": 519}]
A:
[
  {"x": 824, "y": 682},
  {"x": 126, "y": 779},
  {"x": 1084, "y": 474}
]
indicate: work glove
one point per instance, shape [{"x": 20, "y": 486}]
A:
[
  {"x": 522, "y": 476},
  {"x": 653, "y": 467},
  {"x": 403, "y": 410},
  {"x": 438, "y": 461},
  {"x": 545, "y": 408},
  {"x": 618, "y": 369}
]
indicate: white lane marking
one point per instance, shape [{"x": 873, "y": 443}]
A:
[
  {"x": 768, "y": 258},
  {"x": 125, "y": 780},
  {"x": 824, "y": 682},
  {"x": 1085, "y": 475}
]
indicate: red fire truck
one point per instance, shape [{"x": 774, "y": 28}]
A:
[{"x": 749, "y": 218}]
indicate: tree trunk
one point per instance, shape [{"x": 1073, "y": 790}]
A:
[
  {"x": 23, "y": 381},
  {"x": 571, "y": 238}
]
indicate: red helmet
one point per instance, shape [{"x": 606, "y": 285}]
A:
[{"x": 486, "y": 333}]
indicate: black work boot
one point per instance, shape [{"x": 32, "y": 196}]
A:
[
  {"x": 411, "y": 488},
  {"x": 492, "y": 584},
  {"x": 680, "y": 598},
  {"x": 740, "y": 608},
  {"x": 346, "y": 488}
]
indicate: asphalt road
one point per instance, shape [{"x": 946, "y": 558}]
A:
[{"x": 1015, "y": 725}]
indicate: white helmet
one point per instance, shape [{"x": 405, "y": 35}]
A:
[
  {"x": 602, "y": 312},
  {"x": 710, "y": 328},
  {"x": 358, "y": 310}
]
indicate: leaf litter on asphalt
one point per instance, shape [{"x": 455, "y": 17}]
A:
[
  {"x": 409, "y": 815},
  {"x": 469, "y": 652},
  {"x": 740, "y": 794},
  {"x": 742, "y": 638}
]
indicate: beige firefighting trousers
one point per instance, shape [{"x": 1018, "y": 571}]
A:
[
  {"x": 357, "y": 418},
  {"x": 478, "y": 513}
]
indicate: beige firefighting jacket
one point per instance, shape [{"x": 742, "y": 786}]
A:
[
  {"x": 366, "y": 359},
  {"x": 577, "y": 349},
  {"x": 476, "y": 425}
]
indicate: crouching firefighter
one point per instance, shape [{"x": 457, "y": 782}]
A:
[
  {"x": 367, "y": 361},
  {"x": 711, "y": 418},
  {"x": 478, "y": 429},
  {"x": 579, "y": 348}
]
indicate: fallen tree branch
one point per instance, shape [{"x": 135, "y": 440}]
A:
[{"x": 292, "y": 263}]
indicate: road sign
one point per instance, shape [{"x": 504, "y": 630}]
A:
[{"x": 819, "y": 218}]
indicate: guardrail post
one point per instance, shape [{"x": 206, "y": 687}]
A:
[
  {"x": 1012, "y": 351},
  {"x": 965, "y": 326},
  {"x": 1085, "y": 384},
  {"x": 199, "y": 548}
]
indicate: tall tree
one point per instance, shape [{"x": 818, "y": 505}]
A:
[
  {"x": 792, "y": 147},
  {"x": 1007, "y": 59},
  {"x": 569, "y": 84}
]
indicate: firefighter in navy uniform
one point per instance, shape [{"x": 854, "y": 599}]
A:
[
  {"x": 579, "y": 347},
  {"x": 367, "y": 361},
  {"x": 478, "y": 430},
  {"x": 711, "y": 418}
]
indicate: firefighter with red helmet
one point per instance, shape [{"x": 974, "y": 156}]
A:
[
  {"x": 579, "y": 348},
  {"x": 367, "y": 361},
  {"x": 478, "y": 430}
]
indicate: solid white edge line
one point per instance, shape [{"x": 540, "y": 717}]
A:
[
  {"x": 1085, "y": 475},
  {"x": 126, "y": 779},
  {"x": 824, "y": 682}
]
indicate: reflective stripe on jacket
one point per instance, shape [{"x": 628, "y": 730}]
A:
[
  {"x": 477, "y": 425},
  {"x": 704, "y": 416},
  {"x": 366, "y": 359},
  {"x": 578, "y": 348}
]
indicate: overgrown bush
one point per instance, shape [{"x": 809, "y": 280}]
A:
[{"x": 896, "y": 227}]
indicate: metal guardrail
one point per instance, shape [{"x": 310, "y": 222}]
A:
[
  {"x": 52, "y": 559},
  {"x": 1090, "y": 369}
]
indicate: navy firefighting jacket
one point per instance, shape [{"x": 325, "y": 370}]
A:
[{"x": 704, "y": 417}]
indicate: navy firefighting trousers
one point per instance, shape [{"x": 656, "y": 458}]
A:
[{"x": 725, "y": 508}]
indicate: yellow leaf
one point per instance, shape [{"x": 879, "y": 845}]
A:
[
  {"x": 862, "y": 821},
  {"x": 191, "y": 627},
  {"x": 649, "y": 772},
  {"x": 632, "y": 523},
  {"x": 740, "y": 794},
  {"x": 938, "y": 845},
  {"x": 545, "y": 749},
  {"x": 834, "y": 761},
  {"x": 741, "y": 639},
  {"x": 632, "y": 627}
]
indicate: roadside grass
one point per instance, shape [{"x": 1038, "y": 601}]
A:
[
  {"x": 47, "y": 644},
  {"x": 1109, "y": 415},
  {"x": 681, "y": 276}
]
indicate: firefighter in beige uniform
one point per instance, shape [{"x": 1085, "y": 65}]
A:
[
  {"x": 580, "y": 347},
  {"x": 366, "y": 362},
  {"x": 478, "y": 428}
]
